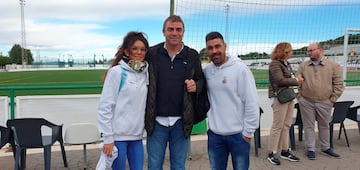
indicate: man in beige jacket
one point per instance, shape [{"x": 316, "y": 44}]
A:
[{"x": 322, "y": 86}]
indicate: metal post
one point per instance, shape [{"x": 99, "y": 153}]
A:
[
  {"x": 103, "y": 61},
  {"x": 172, "y": 3},
  {"x": 12, "y": 104},
  {"x": 23, "y": 39},
  {"x": 94, "y": 61},
  {"x": 345, "y": 55},
  {"x": 227, "y": 9}
]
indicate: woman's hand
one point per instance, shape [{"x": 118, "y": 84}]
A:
[{"x": 300, "y": 79}]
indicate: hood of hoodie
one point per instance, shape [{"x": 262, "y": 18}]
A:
[{"x": 231, "y": 61}]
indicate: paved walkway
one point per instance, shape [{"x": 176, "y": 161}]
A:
[{"x": 350, "y": 156}]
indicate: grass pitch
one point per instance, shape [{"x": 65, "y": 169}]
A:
[
  {"x": 93, "y": 77},
  {"x": 51, "y": 78}
]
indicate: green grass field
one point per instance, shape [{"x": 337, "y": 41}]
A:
[
  {"x": 92, "y": 77},
  {"x": 52, "y": 78}
]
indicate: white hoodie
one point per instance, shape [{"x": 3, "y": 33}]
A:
[
  {"x": 121, "y": 113},
  {"x": 234, "y": 103}
]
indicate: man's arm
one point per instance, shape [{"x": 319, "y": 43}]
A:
[{"x": 338, "y": 83}]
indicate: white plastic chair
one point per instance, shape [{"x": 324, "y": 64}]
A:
[{"x": 82, "y": 134}]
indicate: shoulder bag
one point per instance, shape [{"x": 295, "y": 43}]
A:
[{"x": 286, "y": 95}]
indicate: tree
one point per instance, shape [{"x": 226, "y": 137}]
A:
[
  {"x": 203, "y": 55},
  {"x": 15, "y": 55},
  {"x": 4, "y": 60}
]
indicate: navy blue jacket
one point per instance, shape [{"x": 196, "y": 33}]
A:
[{"x": 192, "y": 70}]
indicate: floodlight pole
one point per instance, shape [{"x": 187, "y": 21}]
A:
[
  {"x": 103, "y": 61},
  {"x": 172, "y": 3},
  {"x": 23, "y": 39},
  {"x": 227, "y": 10},
  {"x": 345, "y": 55}
]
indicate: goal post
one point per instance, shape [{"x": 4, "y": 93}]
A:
[
  {"x": 252, "y": 29},
  {"x": 347, "y": 50}
]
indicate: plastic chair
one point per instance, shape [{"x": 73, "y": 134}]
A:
[
  {"x": 297, "y": 121},
  {"x": 28, "y": 134},
  {"x": 354, "y": 114},
  {"x": 257, "y": 135},
  {"x": 339, "y": 114},
  {"x": 82, "y": 134},
  {"x": 199, "y": 128},
  {"x": 4, "y": 136}
]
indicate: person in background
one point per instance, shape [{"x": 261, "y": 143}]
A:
[
  {"x": 121, "y": 110},
  {"x": 234, "y": 106},
  {"x": 176, "y": 77},
  {"x": 322, "y": 87},
  {"x": 281, "y": 76}
]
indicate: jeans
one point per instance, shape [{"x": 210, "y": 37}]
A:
[
  {"x": 178, "y": 145},
  {"x": 133, "y": 150},
  {"x": 220, "y": 146}
]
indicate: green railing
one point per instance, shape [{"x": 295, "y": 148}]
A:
[
  {"x": 12, "y": 90},
  {"x": 19, "y": 88},
  {"x": 199, "y": 128}
]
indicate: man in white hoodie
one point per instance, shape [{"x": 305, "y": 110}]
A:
[{"x": 234, "y": 106}]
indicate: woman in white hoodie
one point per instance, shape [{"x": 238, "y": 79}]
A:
[{"x": 121, "y": 110}]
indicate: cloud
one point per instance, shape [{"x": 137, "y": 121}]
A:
[
  {"x": 69, "y": 26},
  {"x": 88, "y": 27}
]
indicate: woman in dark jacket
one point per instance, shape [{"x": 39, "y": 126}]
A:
[{"x": 280, "y": 77}]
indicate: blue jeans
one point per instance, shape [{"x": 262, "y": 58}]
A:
[
  {"x": 178, "y": 145},
  {"x": 133, "y": 150},
  {"x": 220, "y": 146}
]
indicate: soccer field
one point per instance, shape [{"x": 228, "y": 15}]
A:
[
  {"x": 52, "y": 78},
  {"x": 70, "y": 78},
  {"x": 91, "y": 78}
]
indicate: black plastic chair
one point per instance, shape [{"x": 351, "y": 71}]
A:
[
  {"x": 339, "y": 114},
  {"x": 257, "y": 135},
  {"x": 353, "y": 115},
  {"x": 4, "y": 136},
  {"x": 27, "y": 134},
  {"x": 297, "y": 121}
]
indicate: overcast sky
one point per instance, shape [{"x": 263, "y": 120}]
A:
[{"x": 84, "y": 28}]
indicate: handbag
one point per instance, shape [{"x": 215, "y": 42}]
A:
[{"x": 286, "y": 95}]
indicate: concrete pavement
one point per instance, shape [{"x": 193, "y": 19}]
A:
[{"x": 199, "y": 159}]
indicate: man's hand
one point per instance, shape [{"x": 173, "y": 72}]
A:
[
  {"x": 190, "y": 85},
  {"x": 247, "y": 139},
  {"x": 107, "y": 149}
]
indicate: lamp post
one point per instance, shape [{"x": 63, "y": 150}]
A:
[
  {"x": 227, "y": 9},
  {"x": 103, "y": 61},
  {"x": 23, "y": 39},
  {"x": 94, "y": 61}
]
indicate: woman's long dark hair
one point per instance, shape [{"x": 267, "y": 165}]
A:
[{"x": 128, "y": 41}]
